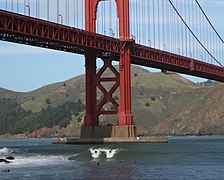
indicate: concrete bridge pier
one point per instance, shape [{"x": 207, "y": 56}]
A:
[{"x": 126, "y": 131}]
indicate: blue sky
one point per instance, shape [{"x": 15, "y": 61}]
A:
[{"x": 24, "y": 68}]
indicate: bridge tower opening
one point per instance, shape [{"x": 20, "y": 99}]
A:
[{"x": 121, "y": 79}]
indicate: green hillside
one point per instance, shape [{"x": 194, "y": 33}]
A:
[
  {"x": 15, "y": 120},
  {"x": 156, "y": 98}
]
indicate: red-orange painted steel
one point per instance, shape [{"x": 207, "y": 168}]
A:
[
  {"x": 35, "y": 32},
  {"x": 124, "y": 111},
  {"x": 90, "y": 118},
  {"x": 125, "y": 116},
  {"x": 107, "y": 93},
  {"x": 27, "y": 30}
]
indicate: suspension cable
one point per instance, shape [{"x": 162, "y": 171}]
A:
[
  {"x": 209, "y": 21},
  {"x": 194, "y": 34}
]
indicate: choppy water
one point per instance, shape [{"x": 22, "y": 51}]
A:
[{"x": 181, "y": 158}]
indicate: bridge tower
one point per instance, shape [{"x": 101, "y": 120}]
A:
[{"x": 125, "y": 127}]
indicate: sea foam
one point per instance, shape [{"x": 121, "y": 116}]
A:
[
  {"x": 4, "y": 151},
  {"x": 110, "y": 153}
]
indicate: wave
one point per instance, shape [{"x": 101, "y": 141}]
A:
[
  {"x": 23, "y": 158},
  {"x": 38, "y": 160},
  {"x": 5, "y": 151},
  {"x": 109, "y": 153},
  {"x": 11, "y": 151}
]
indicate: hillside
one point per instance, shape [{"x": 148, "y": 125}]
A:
[
  {"x": 203, "y": 115},
  {"x": 159, "y": 102}
]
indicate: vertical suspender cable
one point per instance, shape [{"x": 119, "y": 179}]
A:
[
  {"x": 117, "y": 24},
  {"x": 207, "y": 29},
  {"x": 178, "y": 31},
  {"x": 137, "y": 25},
  {"x": 74, "y": 11},
  {"x": 189, "y": 24},
  {"x": 189, "y": 21},
  {"x": 131, "y": 19},
  {"x": 163, "y": 25},
  {"x": 48, "y": 10},
  {"x": 97, "y": 21},
  {"x": 185, "y": 17},
  {"x": 149, "y": 25},
  {"x": 222, "y": 53},
  {"x": 102, "y": 18},
  {"x": 168, "y": 27},
  {"x": 12, "y": 5},
  {"x": 203, "y": 38},
  {"x": 77, "y": 13},
  {"x": 175, "y": 30},
  {"x": 24, "y": 7},
  {"x": 153, "y": 16},
  {"x": 201, "y": 35},
  {"x": 193, "y": 40},
  {"x": 134, "y": 22},
  {"x": 216, "y": 47},
  {"x": 105, "y": 18},
  {"x": 211, "y": 44},
  {"x": 158, "y": 24},
  {"x": 138, "y": 21},
  {"x": 171, "y": 29},
  {"x": 68, "y": 12},
  {"x": 196, "y": 26},
  {"x": 17, "y": 6},
  {"x": 110, "y": 20},
  {"x": 182, "y": 30},
  {"x": 38, "y": 9},
  {"x": 57, "y": 11},
  {"x": 143, "y": 29},
  {"x": 104, "y": 15},
  {"x": 82, "y": 15},
  {"x": 28, "y": 6}
]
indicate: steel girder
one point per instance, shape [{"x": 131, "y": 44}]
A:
[
  {"x": 27, "y": 30},
  {"x": 31, "y": 31}
]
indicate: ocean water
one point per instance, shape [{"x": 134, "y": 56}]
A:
[{"x": 181, "y": 158}]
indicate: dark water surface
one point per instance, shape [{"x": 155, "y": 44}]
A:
[{"x": 181, "y": 158}]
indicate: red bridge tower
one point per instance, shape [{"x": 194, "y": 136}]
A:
[{"x": 122, "y": 78}]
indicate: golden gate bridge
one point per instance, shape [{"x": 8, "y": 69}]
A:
[{"x": 170, "y": 35}]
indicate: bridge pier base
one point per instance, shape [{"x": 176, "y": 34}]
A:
[{"x": 127, "y": 131}]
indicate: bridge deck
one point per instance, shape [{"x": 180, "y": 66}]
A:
[{"x": 35, "y": 32}]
